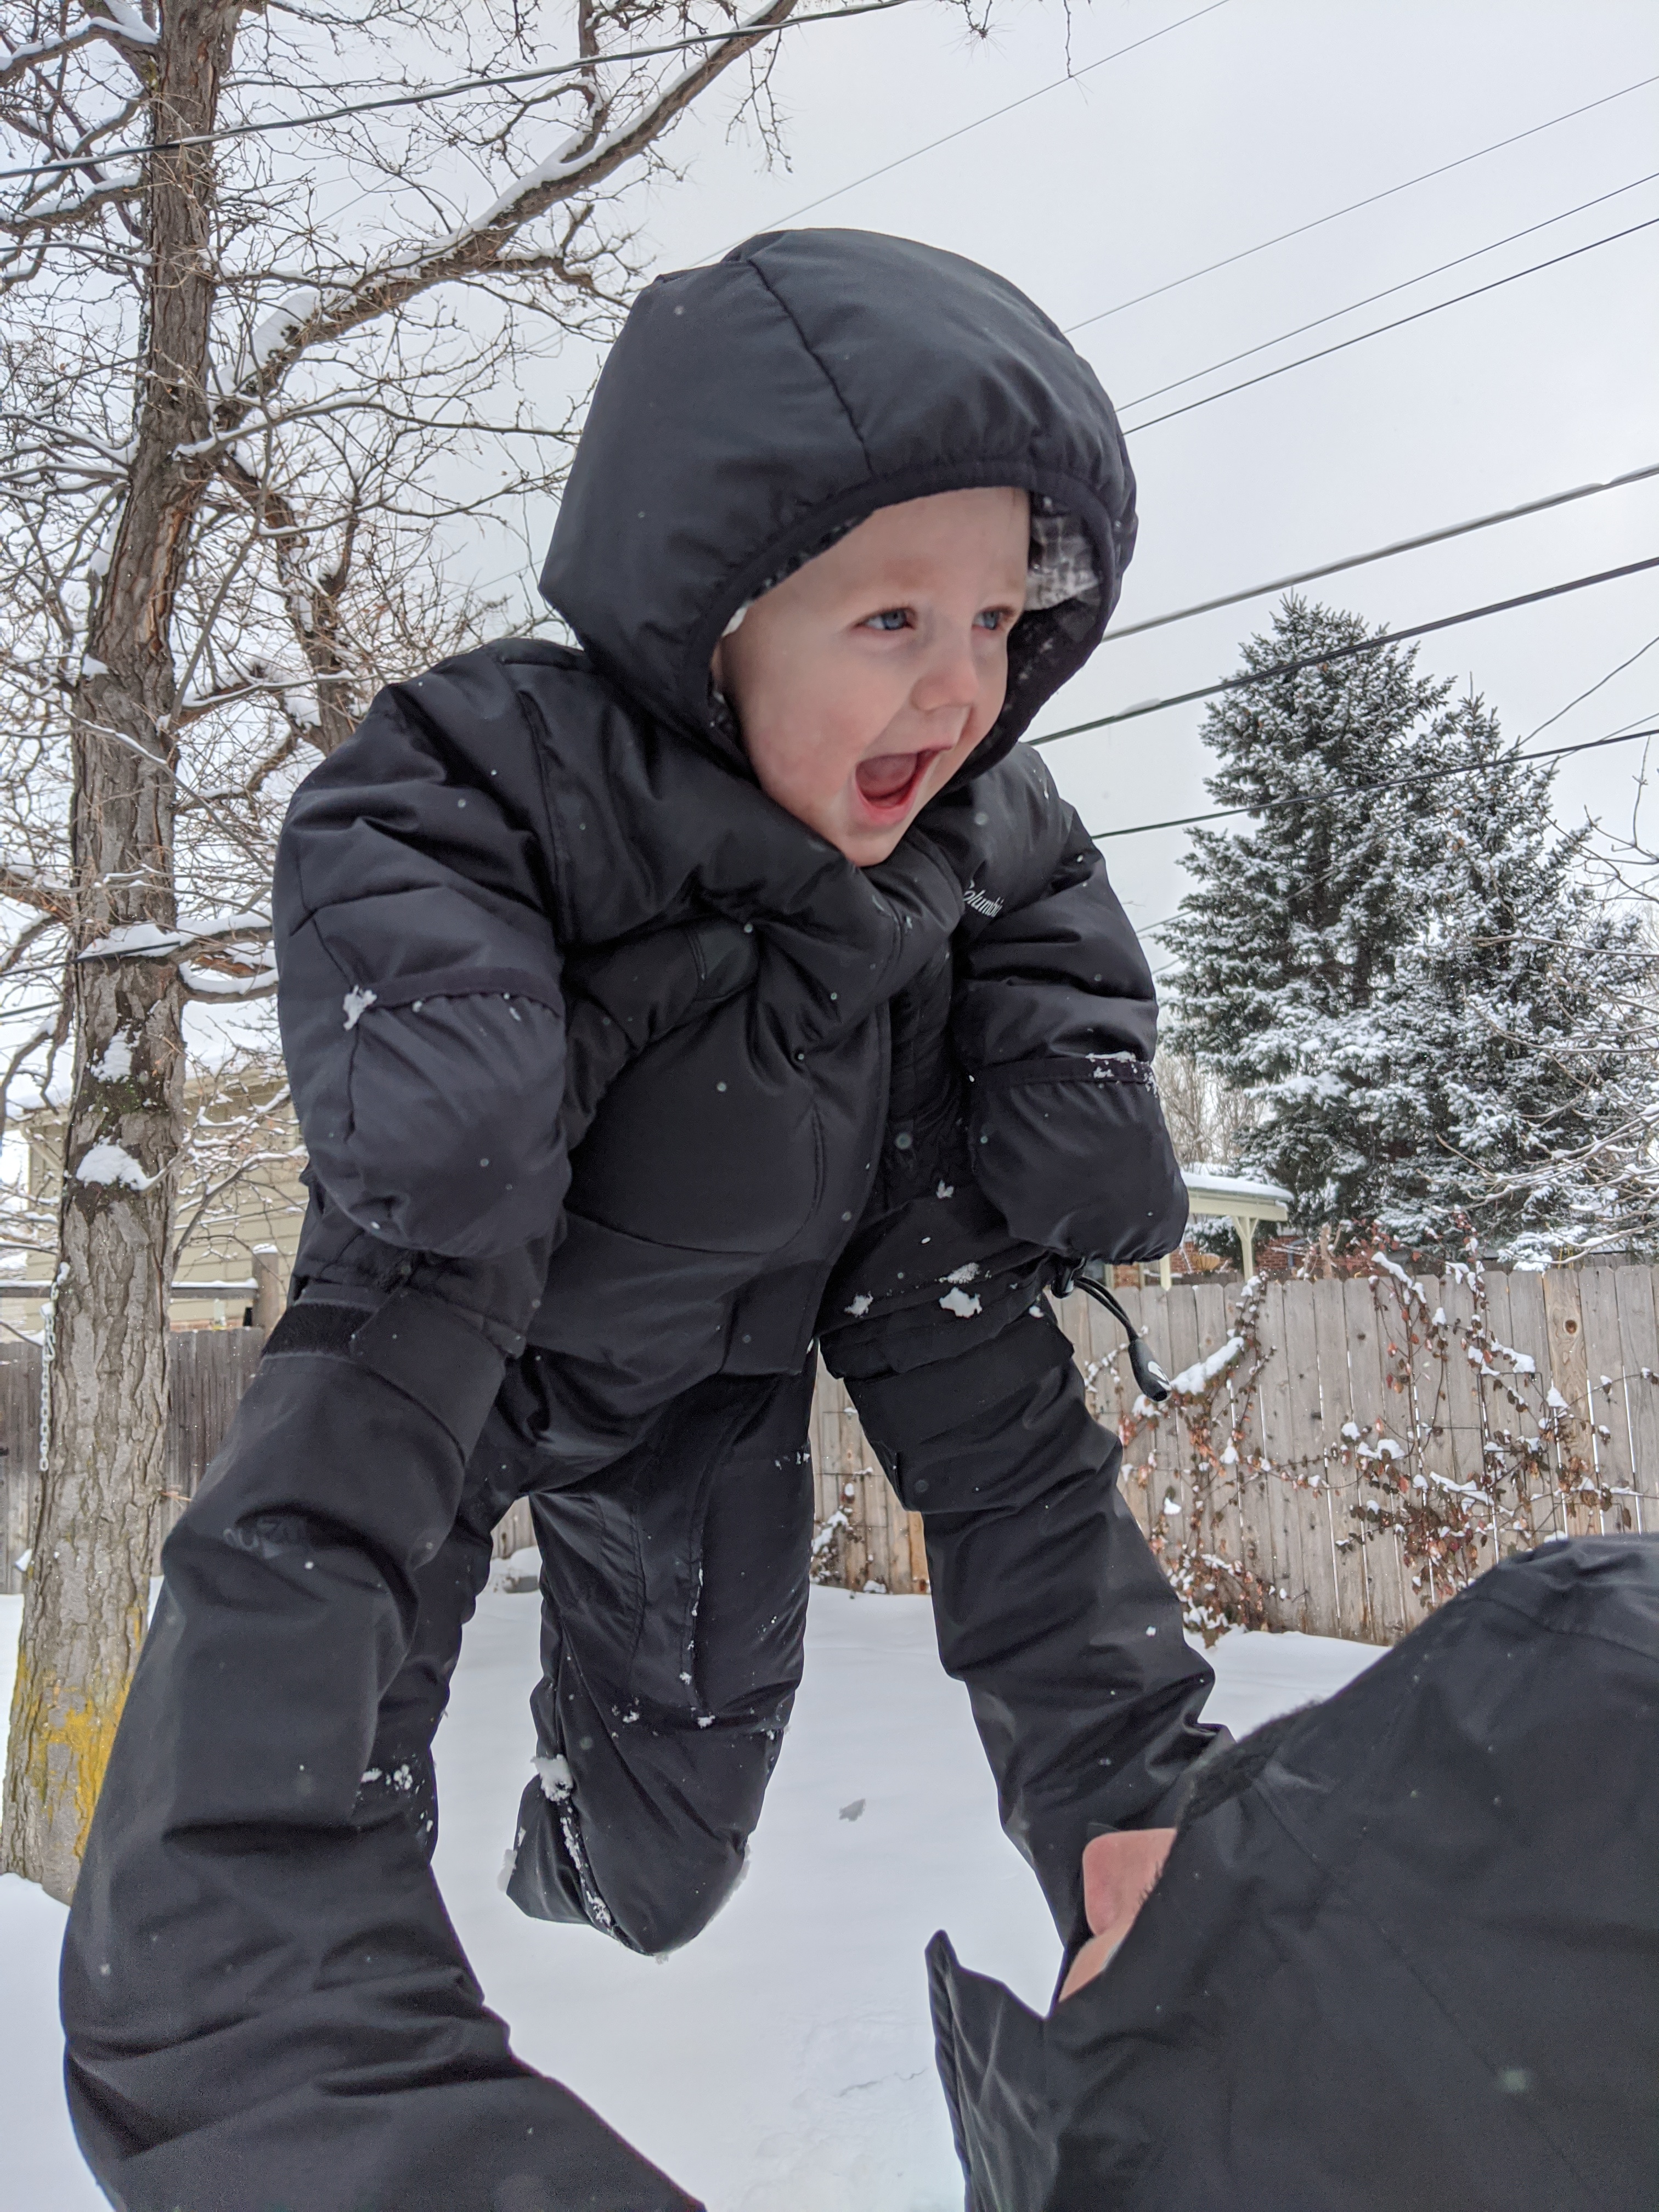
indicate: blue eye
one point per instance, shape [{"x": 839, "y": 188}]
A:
[
  {"x": 993, "y": 618},
  {"x": 889, "y": 618}
]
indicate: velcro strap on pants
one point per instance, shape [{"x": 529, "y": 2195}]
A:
[{"x": 419, "y": 1344}]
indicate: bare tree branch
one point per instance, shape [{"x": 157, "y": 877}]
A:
[
  {"x": 577, "y": 169},
  {"x": 17, "y": 61},
  {"x": 54, "y": 900}
]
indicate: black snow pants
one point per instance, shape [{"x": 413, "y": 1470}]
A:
[
  {"x": 265, "y": 2003},
  {"x": 1048, "y": 1603},
  {"x": 674, "y": 1590}
]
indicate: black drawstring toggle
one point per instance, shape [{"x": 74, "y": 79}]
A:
[{"x": 1153, "y": 1381}]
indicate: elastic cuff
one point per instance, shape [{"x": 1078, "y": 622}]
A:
[
  {"x": 1170, "y": 1810},
  {"x": 422, "y": 1348}
]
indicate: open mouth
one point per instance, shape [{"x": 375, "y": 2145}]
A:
[{"x": 889, "y": 783}]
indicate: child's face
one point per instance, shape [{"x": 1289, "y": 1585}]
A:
[{"x": 863, "y": 682}]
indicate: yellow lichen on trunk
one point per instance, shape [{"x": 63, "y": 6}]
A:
[
  {"x": 68, "y": 1732},
  {"x": 94, "y": 1523}
]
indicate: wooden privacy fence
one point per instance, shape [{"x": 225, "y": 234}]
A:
[
  {"x": 1337, "y": 1456},
  {"x": 211, "y": 1368}
]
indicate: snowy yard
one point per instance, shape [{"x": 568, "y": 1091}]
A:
[{"x": 783, "y": 2063}]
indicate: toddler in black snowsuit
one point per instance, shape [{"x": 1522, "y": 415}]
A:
[{"x": 655, "y": 1008}]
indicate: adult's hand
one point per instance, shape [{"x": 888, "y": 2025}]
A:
[{"x": 1120, "y": 1872}]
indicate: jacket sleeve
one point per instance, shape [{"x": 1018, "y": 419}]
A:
[
  {"x": 420, "y": 1003},
  {"x": 1054, "y": 1023}
]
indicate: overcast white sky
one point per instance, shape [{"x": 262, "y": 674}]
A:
[{"x": 1258, "y": 116}]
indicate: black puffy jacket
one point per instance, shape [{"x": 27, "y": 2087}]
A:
[
  {"x": 554, "y": 967},
  {"x": 1403, "y": 1956}
]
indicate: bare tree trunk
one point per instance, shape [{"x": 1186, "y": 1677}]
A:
[{"x": 106, "y": 1387}]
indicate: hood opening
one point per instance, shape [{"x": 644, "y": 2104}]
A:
[{"x": 1064, "y": 596}]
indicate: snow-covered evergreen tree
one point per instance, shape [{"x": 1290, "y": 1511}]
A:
[
  {"x": 1291, "y": 933},
  {"x": 1404, "y": 962},
  {"x": 1515, "y": 1036}
]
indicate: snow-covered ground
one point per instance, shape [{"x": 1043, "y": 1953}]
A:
[{"x": 783, "y": 2063}]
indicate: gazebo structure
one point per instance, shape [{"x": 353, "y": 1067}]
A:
[{"x": 1246, "y": 1204}]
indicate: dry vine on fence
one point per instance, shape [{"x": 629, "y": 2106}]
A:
[{"x": 1523, "y": 1469}]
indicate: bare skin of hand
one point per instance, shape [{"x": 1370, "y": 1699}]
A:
[{"x": 1120, "y": 1872}]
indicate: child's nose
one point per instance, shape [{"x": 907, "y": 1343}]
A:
[{"x": 950, "y": 679}]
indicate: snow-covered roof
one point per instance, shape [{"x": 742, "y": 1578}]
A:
[{"x": 1267, "y": 1201}]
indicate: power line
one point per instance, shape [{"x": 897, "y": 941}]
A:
[
  {"x": 1361, "y": 790},
  {"x": 1354, "y": 207},
  {"x": 1245, "y": 254},
  {"x": 753, "y": 31},
  {"x": 1388, "y": 292},
  {"x": 1384, "y": 553},
  {"x": 1399, "y": 322},
  {"x": 1072, "y": 77},
  {"x": 1344, "y": 652}
]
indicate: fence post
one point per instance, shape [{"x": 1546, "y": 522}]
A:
[{"x": 270, "y": 1291}]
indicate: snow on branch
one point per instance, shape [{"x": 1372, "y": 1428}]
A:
[
  {"x": 233, "y": 958},
  {"x": 124, "y": 22},
  {"x": 215, "y": 983},
  {"x": 151, "y": 940},
  {"x": 25, "y": 888},
  {"x": 114, "y": 23},
  {"x": 70, "y": 214},
  {"x": 40, "y": 53}
]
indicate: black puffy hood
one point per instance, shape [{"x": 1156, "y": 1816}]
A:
[{"x": 751, "y": 411}]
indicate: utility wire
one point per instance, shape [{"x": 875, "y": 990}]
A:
[
  {"x": 1362, "y": 560},
  {"x": 97, "y": 157},
  {"x": 1423, "y": 177},
  {"x": 1386, "y": 553},
  {"x": 1399, "y": 322},
  {"x": 1072, "y": 77},
  {"x": 1344, "y": 652},
  {"x": 1361, "y": 790},
  {"x": 1245, "y": 254},
  {"x": 1388, "y": 290}
]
